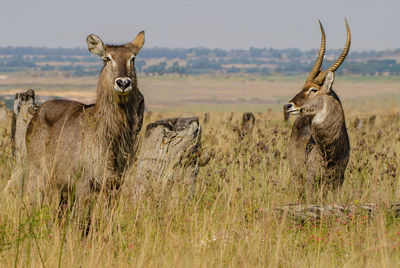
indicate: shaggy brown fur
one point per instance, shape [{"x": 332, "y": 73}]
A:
[
  {"x": 88, "y": 147},
  {"x": 319, "y": 146}
]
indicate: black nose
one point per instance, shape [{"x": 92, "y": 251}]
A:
[
  {"x": 123, "y": 83},
  {"x": 288, "y": 106}
]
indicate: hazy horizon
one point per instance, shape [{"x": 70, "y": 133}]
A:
[
  {"x": 227, "y": 49},
  {"x": 211, "y": 23}
]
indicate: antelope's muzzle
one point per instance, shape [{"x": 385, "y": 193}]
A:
[
  {"x": 123, "y": 85},
  {"x": 292, "y": 108}
]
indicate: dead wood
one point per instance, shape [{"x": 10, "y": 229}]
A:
[
  {"x": 5, "y": 116},
  {"x": 5, "y": 127},
  {"x": 248, "y": 120},
  {"x": 286, "y": 114},
  {"x": 206, "y": 118},
  {"x": 247, "y": 124},
  {"x": 24, "y": 109},
  {"x": 316, "y": 212},
  {"x": 170, "y": 154}
]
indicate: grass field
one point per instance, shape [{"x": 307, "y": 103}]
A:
[
  {"x": 213, "y": 93},
  {"x": 229, "y": 221}
]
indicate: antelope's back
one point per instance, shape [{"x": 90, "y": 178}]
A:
[{"x": 55, "y": 126}]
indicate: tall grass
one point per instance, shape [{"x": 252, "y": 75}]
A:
[{"x": 229, "y": 220}]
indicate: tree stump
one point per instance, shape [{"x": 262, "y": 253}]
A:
[
  {"x": 371, "y": 120},
  {"x": 169, "y": 155},
  {"x": 206, "y": 118},
  {"x": 248, "y": 120},
  {"x": 5, "y": 121},
  {"x": 285, "y": 113},
  {"x": 315, "y": 212},
  {"x": 24, "y": 109},
  {"x": 5, "y": 116}
]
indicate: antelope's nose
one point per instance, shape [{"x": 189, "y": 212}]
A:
[
  {"x": 123, "y": 83},
  {"x": 288, "y": 106}
]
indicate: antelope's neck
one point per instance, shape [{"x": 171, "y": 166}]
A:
[
  {"x": 112, "y": 117},
  {"x": 328, "y": 128}
]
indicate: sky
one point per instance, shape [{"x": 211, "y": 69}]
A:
[{"x": 226, "y": 24}]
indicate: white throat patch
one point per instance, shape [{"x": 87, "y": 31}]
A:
[{"x": 319, "y": 118}]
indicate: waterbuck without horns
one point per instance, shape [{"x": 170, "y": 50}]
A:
[
  {"x": 319, "y": 146},
  {"x": 84, "y": 148}
]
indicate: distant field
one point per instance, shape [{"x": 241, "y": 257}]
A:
[{"x": 216, "y": 93}]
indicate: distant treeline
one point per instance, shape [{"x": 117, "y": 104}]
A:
[
  {"x": 183, "y": 53},
  {"x": 263, "y": 61}
]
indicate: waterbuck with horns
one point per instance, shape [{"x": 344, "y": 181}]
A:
[
  {"x": 319, "y": 146},
  {"x": 84, "y": 148}
]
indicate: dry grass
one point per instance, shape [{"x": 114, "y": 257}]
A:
[{"x": 228, "y": 221}]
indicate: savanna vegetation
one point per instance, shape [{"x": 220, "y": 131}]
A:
[
  {"x": 77, "y": 62},
  {"x": 230, "y": 218}
]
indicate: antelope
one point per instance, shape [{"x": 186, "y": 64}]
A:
[
  {"x": 85, "y": 148},
  {"x": 319, "y": 146}
]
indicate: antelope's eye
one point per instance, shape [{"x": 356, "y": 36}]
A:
[
  {"x": 107, "y": 59},
  {"x": 313, "y": 90},
  {"x": 133, "y": 59}
]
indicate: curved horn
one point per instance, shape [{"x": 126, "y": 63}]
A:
[
  {"x": 321, "y": 77},
  {"x": 318, "y": 62}
]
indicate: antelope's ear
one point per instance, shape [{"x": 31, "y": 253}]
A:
[
  {"x": 327, "y": 86},
  {"x": 138, "y": 42},
  {"x": 95, "y": 45}
]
